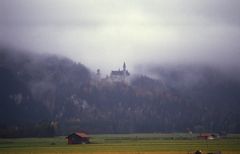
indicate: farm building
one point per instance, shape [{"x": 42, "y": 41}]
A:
[
  {"x": 78, "y": 138},
  {"x": 206, "y": 136}
]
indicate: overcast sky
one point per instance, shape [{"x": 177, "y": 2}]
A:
[{"x": 104, "y": 33}]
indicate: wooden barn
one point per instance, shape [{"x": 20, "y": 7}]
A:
[
  {"x": 206, "y": 136},
  {"x": 78, "y": 138}
]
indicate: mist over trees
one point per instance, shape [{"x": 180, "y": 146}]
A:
[{"x": 46, "y": 95}]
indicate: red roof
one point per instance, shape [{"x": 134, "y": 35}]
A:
[
  {"x": 205, "y": 134},
  {"x": 82, "y": 134}
]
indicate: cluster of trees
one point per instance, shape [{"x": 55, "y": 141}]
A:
[
  {"x": 40, "y": 129},
  {"x": 37, "y": 88}
]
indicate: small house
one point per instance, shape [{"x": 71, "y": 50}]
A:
[
  {"x": 78, "y": 138},
  {"x": 206, "y": 136}
]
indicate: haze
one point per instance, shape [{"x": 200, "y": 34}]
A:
[{"x": 103, "y": 34}]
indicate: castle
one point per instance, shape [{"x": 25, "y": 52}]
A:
[
  {"x": 115, "y": 76},
  {"x": 120, "y": 75}
]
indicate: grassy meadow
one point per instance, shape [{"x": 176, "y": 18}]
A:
[{"x": 122, "y": 143}]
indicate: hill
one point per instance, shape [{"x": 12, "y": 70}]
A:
[{"x": 45, "y": 95}]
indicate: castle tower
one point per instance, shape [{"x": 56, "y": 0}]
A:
[
  {"x": 124, "y": 71},
  {"x": 124, "y": 66},
  {"x": 98, "y": 74}
]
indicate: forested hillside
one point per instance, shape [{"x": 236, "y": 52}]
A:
[{"x": 45, "y": 95}]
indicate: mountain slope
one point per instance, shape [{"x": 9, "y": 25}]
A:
[{"x": 43, "y": 95}]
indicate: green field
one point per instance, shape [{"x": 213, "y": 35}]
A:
[{"x": 123, "y": 143}]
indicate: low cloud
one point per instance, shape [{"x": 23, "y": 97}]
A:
[{"x": 103, "y": 34}]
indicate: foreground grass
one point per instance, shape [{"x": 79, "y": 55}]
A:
[{"x": 122, "y": 143}]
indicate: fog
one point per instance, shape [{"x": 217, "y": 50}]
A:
[{"x": 103, "y": 34}]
